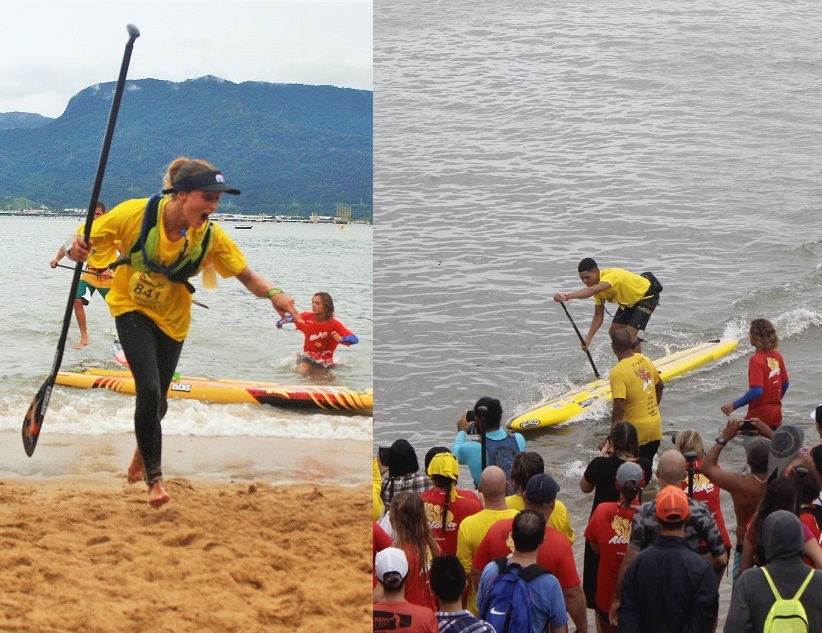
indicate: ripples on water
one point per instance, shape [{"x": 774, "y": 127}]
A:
[{"x": 678, "y": 138}]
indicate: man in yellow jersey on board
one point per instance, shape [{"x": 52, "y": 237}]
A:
[{"x": 636, "y": 295}]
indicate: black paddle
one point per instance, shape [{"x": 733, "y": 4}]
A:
[
  {"x": 482, "y": 414},
  {"x": 37, "y": 411},
  {"x": 691, "y": 458},
  {"x": 581, "y": 340}
]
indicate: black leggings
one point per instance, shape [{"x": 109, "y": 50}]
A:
[{"x": 152, "y": 357}]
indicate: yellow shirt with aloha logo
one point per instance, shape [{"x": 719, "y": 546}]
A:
[
  {"x": 634, "y": 379},
  {"x": 626, "y": 289},
  {"x": 167, "y": 303}
]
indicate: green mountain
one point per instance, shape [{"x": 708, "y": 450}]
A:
[{"x": 290, "y": 148}]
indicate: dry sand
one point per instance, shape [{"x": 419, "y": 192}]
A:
[{"x": 80, "y": 550}]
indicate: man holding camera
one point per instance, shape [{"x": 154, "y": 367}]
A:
[{"x": 501, "y": 446}]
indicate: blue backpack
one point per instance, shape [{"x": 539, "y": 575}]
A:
[
  {"x": 507, "y": 605},
  {"x": 502, "y": 453}
]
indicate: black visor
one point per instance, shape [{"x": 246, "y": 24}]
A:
[{"x": 207, "y": 181}]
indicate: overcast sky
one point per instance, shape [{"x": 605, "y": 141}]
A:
[{"x": 50, "y": 51}]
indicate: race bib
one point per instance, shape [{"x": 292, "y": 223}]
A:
[{"x": 148, "y": 289}]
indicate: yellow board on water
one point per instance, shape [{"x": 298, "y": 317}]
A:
[{"x": 552, "y": 411}]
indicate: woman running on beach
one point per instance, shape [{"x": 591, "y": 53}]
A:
[
  {"x": 322, "y": 334},
  {"x": 166, "y": 239}
]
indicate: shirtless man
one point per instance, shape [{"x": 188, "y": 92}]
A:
[
  {"x": 746, "y": 489},
  {"x": 636, "y": 295}
]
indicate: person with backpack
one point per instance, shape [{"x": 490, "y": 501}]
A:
[
  {"x": 516, "y": 595},
  {"x": 166, "y": 240},
  {"x": 637, "y": 296},
  {"x": 500, "y": 446},
  {"x": 783, "y": 595},
  {"x": 669, "y": 588}
]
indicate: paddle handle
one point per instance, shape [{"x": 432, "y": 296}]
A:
[{"x": 581, "y": 340}]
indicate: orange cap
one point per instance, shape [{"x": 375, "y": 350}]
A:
[{"x": 672, "y": 504}]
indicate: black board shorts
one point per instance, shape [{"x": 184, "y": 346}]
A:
[{"x": 638, "y": 314}]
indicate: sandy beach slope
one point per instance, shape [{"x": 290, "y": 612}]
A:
[{"x": 80, "y": 550}]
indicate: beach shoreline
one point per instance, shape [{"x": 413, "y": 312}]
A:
[{"x": 260, "y": 534}]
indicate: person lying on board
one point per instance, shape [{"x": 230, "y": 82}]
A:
[
  {"x": 97, "y": 277},
  {"x": 169, "y": 239},
  {"x": 322, "y": 334},
  {"x": 636, "y": 295}
]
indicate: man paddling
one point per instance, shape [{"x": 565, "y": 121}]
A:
[{"x": 636, "y": 295}]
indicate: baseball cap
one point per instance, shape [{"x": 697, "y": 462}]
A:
[
  {"x": 757, "y": 452},
  {"x": 816, "y": 414},
  {"x": 630, "y": 471},
  {"x": 390, "y": 559},
  {"x": 541, "y": 489},
  {"x": 672, "y": 504},
  {"x": 785, "y": 445}
]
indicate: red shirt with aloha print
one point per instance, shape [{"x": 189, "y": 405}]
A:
[
  {"x": 767, "y": 370},
  {"x": 319, "y": 344}
]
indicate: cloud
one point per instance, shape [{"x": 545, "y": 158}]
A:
[{"x": 52, "y": 50}]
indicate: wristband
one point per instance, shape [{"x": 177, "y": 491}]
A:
[
  {"x": 272, "y": 292},
  {"x": 567, "y": 297}
]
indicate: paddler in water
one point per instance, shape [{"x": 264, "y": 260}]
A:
[
  {"x": 167, "y": 239},
  {"x": 98, "y": 277},
  {"x": 322, "y": 334},
  {"x": 767, "y": 377},
  {"x": 636, "y": 295}
]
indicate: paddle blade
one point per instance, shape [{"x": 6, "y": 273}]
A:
[{"x": 34, "y": 418}]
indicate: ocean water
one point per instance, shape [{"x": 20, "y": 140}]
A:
[
  {"x": 512, "y": 141},
  {"x": 678, "y": 138},
  {"x": 234, "y": 338}
]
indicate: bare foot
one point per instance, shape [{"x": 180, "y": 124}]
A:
[
  {"x": 157, "y": 495},
  {"x": 136, "y": 469},
  {"x": 83, "y": 342}
]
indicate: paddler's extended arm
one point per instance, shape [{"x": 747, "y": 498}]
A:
[
  {"x": 596, "y": 322},
  {"x": 260, "y": 287}
]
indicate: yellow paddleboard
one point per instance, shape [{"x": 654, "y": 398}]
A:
[
  {"x": 310, "y": 397},
  {"x": 573, "y": 403}
]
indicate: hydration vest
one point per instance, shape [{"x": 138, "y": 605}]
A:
[{"x": 141, "y": 254}]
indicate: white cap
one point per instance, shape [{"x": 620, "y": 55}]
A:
[
  {"x": 817, "y": 412},
  {"x": 388, "y": 560}
]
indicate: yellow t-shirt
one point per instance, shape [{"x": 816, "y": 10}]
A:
[
  {"x": 101, "y": 255},
  {"x": 634, "y": 379},
  {"x": 559, "y": 519},
  {"x": 470, "y": 535},
  {"x": 626, "y": 287},
  {"x": 166, "y": 303}
]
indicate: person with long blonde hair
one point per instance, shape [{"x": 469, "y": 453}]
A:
[
  {"x": 413, "y": 536},
  {"x": 767, "y": 377},
  {"x": 166, "y": 239}
]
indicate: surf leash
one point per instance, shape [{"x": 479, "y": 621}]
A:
[
  {"x": 33, "y": 420},
  {"x": 581, "y": 340}
]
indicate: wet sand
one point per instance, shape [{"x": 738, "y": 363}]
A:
[{"x": 261, "y": 534}]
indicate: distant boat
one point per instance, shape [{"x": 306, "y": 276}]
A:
[{"x": 242, "y": 226}]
